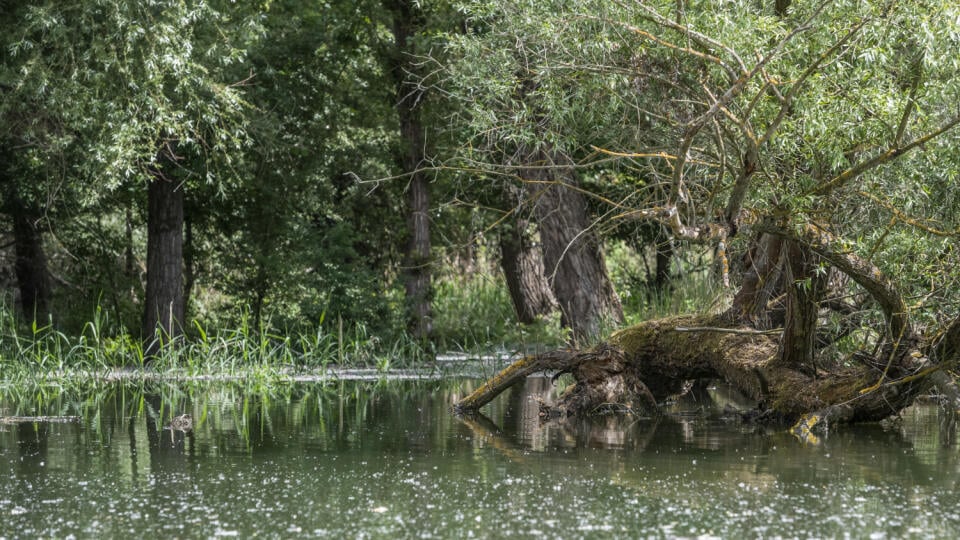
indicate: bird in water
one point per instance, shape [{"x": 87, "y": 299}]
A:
[{"x": 184, "y": 423}]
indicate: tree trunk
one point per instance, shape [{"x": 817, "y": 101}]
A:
[
  {"x": 128, "y": 259},
  {"x": 30, "y": 266},
  {"x": 804, "y": 291},
  {"x": 523, "y": 269},
  {"x": 164, "y": 303},
  {"x": 759, "y": 301},
  {"x": 189, "y": 263},
  {"x": 419, "y": 291},
  {"x": 664, "y": 257},
  {"x": 416, "y": 273},
  {"x": 780, "y": 7},
  {"x": 260, "y": 287},
  {"x": 646, "y": 363},
  {"x": 572, "y": 256}
]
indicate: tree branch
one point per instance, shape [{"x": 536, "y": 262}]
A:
[
  {"x": 787, "y": 100},
  {"x": 517, "y": 371},
  {"x": 839, "y": 180}
]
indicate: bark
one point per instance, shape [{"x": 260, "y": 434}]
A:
[
  {"x": 780, "y": 7},
  {"x": 865, "y": 274},
  {"x": 946, "y": 348},
  {"x": 664, "y": 257},
  {"x": 128, "y": 259},
  {"x": 523, "y": 269},
  {"x": 164, "y": 302},
  {"x": 189, "y": 262},
  {"x": 573, "y": 260},
  {"x": 758, "y": 301},
  {"x": 804, "y": 290},
  {"x": 260, "y": 287},
  {"x": 30, "y": 260},
  {"x": 416, "y": 274},
  {"x": 646, "y": 363},
  {"x": 30, "y": 266}
]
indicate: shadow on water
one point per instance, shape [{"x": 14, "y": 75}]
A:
[
  {"x": 32, "y": 443},
  {"x": 388, "y": 459}
]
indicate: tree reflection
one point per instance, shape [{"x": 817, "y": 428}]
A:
[{"x": 32, "y": 444}]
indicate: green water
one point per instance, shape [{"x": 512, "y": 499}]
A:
[{"x": 362, "y": 460}]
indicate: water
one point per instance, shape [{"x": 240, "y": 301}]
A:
[{"x": 367, "y": 460}]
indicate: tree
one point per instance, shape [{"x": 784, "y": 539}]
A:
[
  {"x": 572, "y": 256},
  {"x": 300, "y": 240},
  {"x": 147, "y": 97},
  {"x": 523, "y": 125},
  {"x": 523, "y": 268},
  {"x": 30, "y": 260},
  {"x": 770, "y": 154},
  {"x": 407, "y": 23},
  {"x": 29, "y": 133},
  {"x": 165, "y": 296}
]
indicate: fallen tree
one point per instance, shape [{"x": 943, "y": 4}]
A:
[
  {"x": 763, "y": 345},
  {"x": 753, "y": 142}
]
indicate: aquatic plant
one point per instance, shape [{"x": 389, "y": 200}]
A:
[{"x": 40, "y": 352}]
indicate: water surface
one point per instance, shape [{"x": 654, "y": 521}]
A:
[{"x": 375, "y": 460}]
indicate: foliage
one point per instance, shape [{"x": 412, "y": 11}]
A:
[
  {"x": 474, "y": 314},
  {"x": 281, "y": 118},
  {"x": 727, "y": 112},
  {"x": 42, "y": 354}
]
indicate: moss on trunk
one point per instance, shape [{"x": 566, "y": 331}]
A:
[{"x": 646, "y": 363}]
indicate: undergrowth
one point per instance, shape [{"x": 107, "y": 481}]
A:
[
  {"x": 42, "y": 352},
  {"x": 473, "y": 316}
]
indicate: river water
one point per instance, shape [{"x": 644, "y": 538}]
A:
[{"x": 364, "y": 459}]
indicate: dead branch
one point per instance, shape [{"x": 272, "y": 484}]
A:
[{"x": 561, "y": 360}]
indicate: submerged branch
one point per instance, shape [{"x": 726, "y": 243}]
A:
[{"x": 517, "y": 371}]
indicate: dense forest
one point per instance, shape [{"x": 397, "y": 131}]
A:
[{"x": 789, "y": 169}]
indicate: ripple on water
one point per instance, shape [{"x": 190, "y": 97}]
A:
[{"x": 399, "y": 466}]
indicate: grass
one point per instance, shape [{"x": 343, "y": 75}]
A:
[
  {"x": 695, "y": 287},
  {"x": 475, "y": 315},
  {"x": 472, "y": 315},
  {"x": 43, "y": 353}
]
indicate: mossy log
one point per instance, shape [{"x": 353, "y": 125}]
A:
[
  {"x": 640, "y": 366},
  {"x": 644, "y": 364}
]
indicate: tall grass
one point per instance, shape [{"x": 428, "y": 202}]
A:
[
  {"x": 42, "y": 352},
  {"x": 474, "y": 314},
  {"x": 694, "y": 287}
]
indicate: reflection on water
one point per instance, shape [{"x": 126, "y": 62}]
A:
[{"x": 363, "y": 459}]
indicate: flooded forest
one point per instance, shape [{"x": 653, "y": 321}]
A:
[{"x": 707, "y": 250}]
